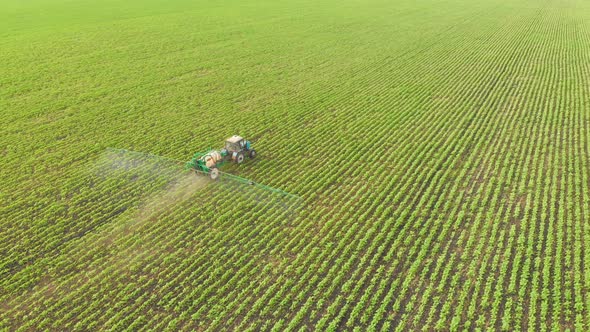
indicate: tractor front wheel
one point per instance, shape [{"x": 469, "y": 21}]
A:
[
  {"x": 252, "y": 154},
  {"x": 239, "y": 158},
  {"x": 214, "y": 173}
]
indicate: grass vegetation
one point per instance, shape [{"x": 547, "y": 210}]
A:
[{"x": 440, "y": 149}]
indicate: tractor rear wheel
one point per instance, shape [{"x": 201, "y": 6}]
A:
[
  {"x": 252, "y": 154},
  {"x": 214, "y": 173},
  {"x": 239, "y": 158}
]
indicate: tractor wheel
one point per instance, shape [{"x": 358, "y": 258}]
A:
[
  {"x": 214, "y": 173},
  {"x": 252, "y": 154},
  {"x": 239, "y": 158}
]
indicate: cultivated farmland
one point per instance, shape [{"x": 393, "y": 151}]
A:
[{"x": 439, "y": 150}]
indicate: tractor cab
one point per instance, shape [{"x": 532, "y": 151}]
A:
[
  {"x": 237, "y": 147},
  {"x": 235, "y": 144}
]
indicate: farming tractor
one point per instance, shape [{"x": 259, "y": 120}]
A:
[{"x": 235, "y": 150}]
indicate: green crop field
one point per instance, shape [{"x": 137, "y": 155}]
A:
[{"x": 436, "y": 154}]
